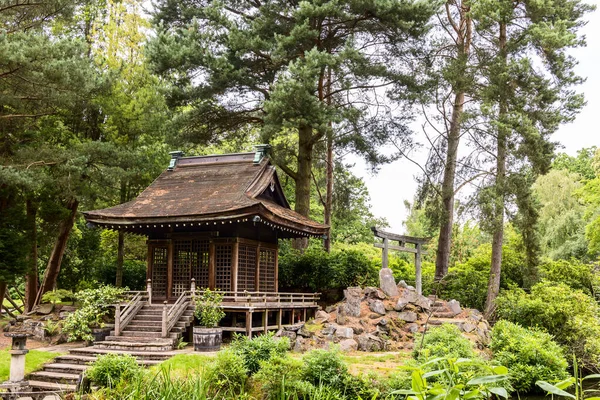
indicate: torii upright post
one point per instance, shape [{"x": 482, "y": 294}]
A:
[{"x": 402, "y": 240}]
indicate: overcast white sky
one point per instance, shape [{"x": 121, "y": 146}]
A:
[{"x": 395, "y": 182}]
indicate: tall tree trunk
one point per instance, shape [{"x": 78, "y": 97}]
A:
[
  {"x": 121, "y": 242},
  {"x": 329, "y": 193},
  {"x": 53, "y": 267},
  {"x": 2, "y": 293},
  {"x": 329, "y": 172},
  {"x": 305, "y": 150},
  {"x": 31, "y": 279},
  {"x": 464, "y": 33},
  {"x": 500, "y": 188}
]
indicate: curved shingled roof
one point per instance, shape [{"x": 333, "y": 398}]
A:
[{"x": 204, "y": 189}]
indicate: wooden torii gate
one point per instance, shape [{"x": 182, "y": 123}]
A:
[{"x": 402, "y": 241}]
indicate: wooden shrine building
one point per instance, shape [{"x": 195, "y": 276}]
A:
[{"x": 215, "y": 221}]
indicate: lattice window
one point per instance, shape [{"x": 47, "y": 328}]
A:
[
  {"x": 267, "y": 270},
  {"x": 223, "y": 266},
  {"x": 247, "y": 268},
  {"x": 183, "y": 259},
  {"x": 200, "y": 268},
  {"x": 159, "y": 271}
]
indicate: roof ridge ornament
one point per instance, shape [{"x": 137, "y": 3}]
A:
[
  {"x": 262, "y": 150},
  {"x": 175, "y": 155}
]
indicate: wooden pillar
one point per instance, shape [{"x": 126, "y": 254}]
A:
[
  {"x": 170, "y": 251},
  {"x": 234, "y": 319},
  {"x": 234, "y": 266},
  {"x": 277, "y": 270},
  {"x": 265, "y": 320},
  {"x": 292, "y": 317},
  {"x": 304, "y": 315},
  {"x": 257, "y": 278},
  {"x": 384, "y": 255},
  {"x": 212, "y": 277},
  {"x": 249, "y": 324},
  {"x": 418, "y": 283},
  {"x": 149, "y": 261},
  {"x": 279, "y": 318}
]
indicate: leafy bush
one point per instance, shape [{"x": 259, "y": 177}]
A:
[
  {"x": 227, "y": 374},
  {"x": 260, "y": 348},
  {"x": 455, "y": 380},
  {"x": 530, "y": 354},
  {"x": 109, "y": 369},
  {"x": 282, "y": 374},
  {"x": 56, "y": 296},
  {"x": 317, "y": 270},
  {"x": 95, "y": 305},
  {"x": 325, "y": 367},
  {"x": 208, "y": 308},
  {"x": 571, "y": 316},
  {"x": 573, "y": 273},
  {"x": 443, "y": 341}
]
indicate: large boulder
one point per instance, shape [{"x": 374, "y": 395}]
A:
[
  {"x": 374, "y": 293},
  {"x": 377, "y": 306},
  {"x": 368, "y": 342},
  {"x": 352, "y": 298},
  {"x": 387, "y": 282},
  {"x": 422, "y": 302},
  {"x": 344, "y": 332},
  {"x": 408, "y": 316},
  {"x": 321, "y": 317},
  {"x": 454, "y": 307},
  {"x": 406, "y": 297},
  {"x": 348, "y": 345}
]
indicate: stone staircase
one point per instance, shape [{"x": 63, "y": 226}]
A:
[{"x": 141, "y": 338}]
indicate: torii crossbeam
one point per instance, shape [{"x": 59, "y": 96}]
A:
[{"x": 402, "y": 241}]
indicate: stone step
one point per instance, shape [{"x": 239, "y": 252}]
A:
[
  {"x": 159, "y": 346},
  {"x": 145, "y": 327},
  {"x": 139, "y": 354},
  {"x": 58, "y": 377},
  {"x": 443, "y": 314},
  {"x": 140, "y": 337},
  {"x": 85, "y": 360},
  {"x": 149, "y": 312},
  {"x": 51, "y": 386},
  {"x": 65, "y": 368}
]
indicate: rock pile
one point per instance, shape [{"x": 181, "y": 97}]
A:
[{"x": 373, "y": 319}]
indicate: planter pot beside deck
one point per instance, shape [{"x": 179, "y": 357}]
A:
[{"x": 207, "y": 339}]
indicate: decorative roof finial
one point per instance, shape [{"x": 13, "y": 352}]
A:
[
  {"x": 175, "y": 155},
  {"x": 261, "y": 151}
]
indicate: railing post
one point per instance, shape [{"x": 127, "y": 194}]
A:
[
  {"x": 165, "y": 315},
  {"x": 117, "y": 319},
  {"x": 149, "y": 290},
  {"x": 193, "y": 287}
]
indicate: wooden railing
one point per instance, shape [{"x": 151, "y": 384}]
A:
[
  {"x": 172, "y": 314},
  {"x": 258, "y": 298},
  {"x": 122, "y": 318}
]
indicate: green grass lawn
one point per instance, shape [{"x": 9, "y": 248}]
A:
[{"x": 33, "y": 361}]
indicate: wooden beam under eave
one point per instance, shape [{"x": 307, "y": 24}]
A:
[
  {"x": 398, "y": 248},
  {"x": 234, "y": 266},
  {"x": 212, "y": 277}
]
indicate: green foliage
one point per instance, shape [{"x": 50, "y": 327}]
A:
[
  {"x": 34, "y": 361},
  {"x": 228, "y": 372},
  {"x": 109, "y": 369},
  {"x": 258, "y": 349},
  {"x": 94, "y": 305},
  {"x": 573, "y": 273},
  {"x": 52, "y": 327},
  {"x": 316, "y": 270},
  {"x": 441, "y": 341},
  {"x": 570, "y": 315},
  {"x": 529, "y": 354},
  {"x": 56, "y": 296},
  {"x": 325, "y": 367},
  {"x": 281, "y": 378},
  {"x": 577, "y": 380},
  {"x": 208, "y": 308},
  {"x": 455, "y": 379}
]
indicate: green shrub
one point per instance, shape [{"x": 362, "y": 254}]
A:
[
  {"x": 227, "y": 374},
  {"x": 95, "y": 305},
  {"x": 260, "y": 348},
  {"x": 443, "y": 341},
  {"x": 56, "y": 296},
  {"x": 208, "y": 308},
  {"x": 109, "y": 369},
  {"x": 281, "y": 377},
  {"x": 325, "y": 367},
  {"x": 530, "y": 354},
  {"x": 569, "y": 315},
  {"x": 573, "y": 273}
]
